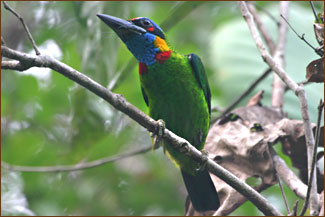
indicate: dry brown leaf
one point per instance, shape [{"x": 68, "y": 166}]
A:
[
  {"x": 295, "y": 147},
  {"x": 239, "y": 142},
  {"x": 315, "y": 71},
  {"x": 256, "y": 99},
  {"x": 319, "y": 32}
]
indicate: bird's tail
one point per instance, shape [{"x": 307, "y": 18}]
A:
[{"x": 201, "y": 190}]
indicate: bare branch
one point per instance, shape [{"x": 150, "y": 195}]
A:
[
  {"x": 279, "y": 86},
  {"x": 301, "y": 83},
  {"x": 302, "y": 37},
  {"x": 283, "y": 194},
  {"x": 261, "y": 203},
  {"x": 314, "y": 11},
  {"x": 286, "y": 174},
  {"x": 298, "y": 90},
  {"x": 14, "y": 65},
  {"x": 117, "y": 100},
  {"x": 30, "y": 37},
  {"x": 277, "y": 51},
  {"x": 268, "y": 40},
  {"x": 267, "y": 13},
  {"x": 79, "y": 166},
  {"x": 241, "y": 199},
  {"x": 295, "y": 209},
  {"x": 310, "y": 181},
  {"x": 121, "y": 104}
]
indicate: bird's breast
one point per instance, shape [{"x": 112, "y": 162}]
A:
[{"x": 174, "y": 96}]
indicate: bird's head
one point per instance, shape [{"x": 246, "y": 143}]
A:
[{"x": 144, "y": 38}]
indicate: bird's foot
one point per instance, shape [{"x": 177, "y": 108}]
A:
[
  {"x": 160, "y": 129},
  {"x": 205, "y": 158}
]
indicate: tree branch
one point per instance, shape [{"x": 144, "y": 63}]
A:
[
  {"x": 283, "y": 194},
  {"x": 79, "y": 166},
  {"x": 267, "y": 13},
  {"x": 298, "y": 90},
  {"x": 279, "y": 86},
  {"x": 294, "y": 209},
  {"x": 261, "y": 203},
  {"x": 284, "y": 172},
  {"x": 14, "y": 65},
  {"x": 121, "y": 104},
  {"x": 268, "y": 40},
  {"x": 116, "y": 100},
  {"x": 310, "y": 180},
  {"x": 240, "y": 200},
  {"x": 302, "y": 37},
  {"x": 314, "y": 12},
  {"x": 30, "y": 37},
  {"x": 277, "y": 51}
]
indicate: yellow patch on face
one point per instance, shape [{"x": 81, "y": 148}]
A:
[{"x": 161, "y": 44}]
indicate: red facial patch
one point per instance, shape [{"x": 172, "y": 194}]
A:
[
  {"x": 162, "y": 56},
  {"x": 135, "y": 18},
  {"x": 150, "y": 29},
  {"x": 142, "y": 68}
]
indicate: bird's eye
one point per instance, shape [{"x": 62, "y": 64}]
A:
[{"x": 146, "y": 23}]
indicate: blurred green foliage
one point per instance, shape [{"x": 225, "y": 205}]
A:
[{"x": 46, "y": 119}]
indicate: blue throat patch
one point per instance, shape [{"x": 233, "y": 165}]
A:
[{"x": 142, "y": 47}]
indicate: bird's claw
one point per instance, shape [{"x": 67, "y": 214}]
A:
[
  {"x": 205, "y": 158},
  {"x": 160, "y": 129}
]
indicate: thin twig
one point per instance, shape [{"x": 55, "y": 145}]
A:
[
  {"x": 239, "y": 201},
  {"x": 267, "y": 13},
  {"x": 303, "y": 83},
  {"x": 320, "y": 110},
  {"x": 266, "y": 36},
  {"x": 302, "y": 37},
  {"x": 244, "y": 94},
  {"x": 81, "y": 166},
  {"x": 13, "y": 64},
  {"x": 286, "y": 174},
  {"x": 298, "y": 90},
  {"x": 264, "y": 207},
  {"x": 30, "y": 37},
  {"x": 295, "y": 209},
  {"x": 314, "y": 11},
  {"x": 278, "y": 87},
  {"x": 121, "y": 104},
  {"x": 283, "y": 194}
]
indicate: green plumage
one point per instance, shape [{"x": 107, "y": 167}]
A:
[
  {"x": 175, "y": 95},
  {"x": 176, "y": 89}
]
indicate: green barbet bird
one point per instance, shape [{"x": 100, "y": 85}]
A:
[{"x": 176, "y": 89}]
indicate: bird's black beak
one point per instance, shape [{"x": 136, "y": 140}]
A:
[{"x": 123, "y": 28}]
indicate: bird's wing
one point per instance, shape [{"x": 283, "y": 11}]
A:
[{"x": 201, "y": 77}]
